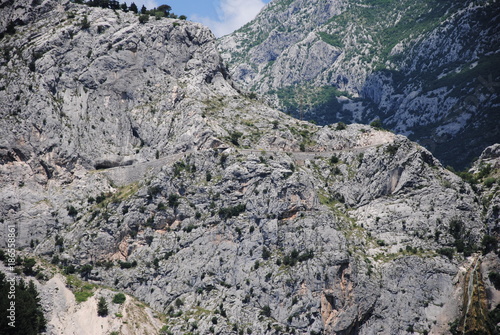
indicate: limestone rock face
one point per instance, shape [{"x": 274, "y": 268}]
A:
[
  {"x": 117, "y": 83},
  {"x": 428, "y": 71},
  {"x": 126, "y": 147},
  {"x": 487, "y": 168}
]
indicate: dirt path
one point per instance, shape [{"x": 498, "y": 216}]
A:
[{"x": 124, "y": 175}]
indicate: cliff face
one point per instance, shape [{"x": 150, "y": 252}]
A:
[
  {"x": 428, "y": 70},
  {"x": 78, "y": 97},
  {"x": 126, "y": 148},
  {"x": 83, "y": 76}
]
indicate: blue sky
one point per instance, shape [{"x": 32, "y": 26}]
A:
[{"x": 221, "y": 16}]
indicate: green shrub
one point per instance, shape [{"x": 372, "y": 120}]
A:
[
  {"x": 488, "y": 182},
  {"x": 55, "y": 260},
  {"x": 173, "y": 200},
  {"x": 85, "y": 24},
  {"x": 456, "y": 228},
  {"x": 28, "y": 265},
  {"x": 119, "y": 298},
  {"x": 229, "y": 212},
  {"x": 266, "y": 311},
  {"x": 377, "y": 124},
  {"x": 295, "y": 256},
  {"x": 484, "y": 171},
  {"x": 494, "y": 316},
  {"x": 70, "y": 269},
  {"x": 235, "y": 136},
  {"x": 189, "y": 228},
  {"x": 448, "y": 252},
  {"x": 489, "y": 243},
  {"x": 32, "y": 66},
  {"x": 100, "y": 198},
  {"x": 223, "y": 159},
  {"x": 460, "y": 245},
  {"x": 266, "y": 253},
  {"x": 143, "y": 18},
  {"x": 178, "y": 167},
  {"x": 333, "y": 40},
  {"x": 72, "y": 211},
  {"x": 127, "y": 265},
  {"x": 153, "y": 191},
  {"x": 85, "y": 270},
  {"x": 391, "y": 149},
  {"x": 341, "y": 126}
]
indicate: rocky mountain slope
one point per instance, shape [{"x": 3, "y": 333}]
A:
[
  {"x": 428, "y": 70},
  {"x": 129, "y": 158}
]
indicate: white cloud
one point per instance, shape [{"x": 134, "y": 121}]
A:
[{"x": 232, "y": 14}]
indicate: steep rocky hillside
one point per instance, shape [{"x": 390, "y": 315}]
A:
[
  {"x": 128, "y": 158},
  {"x": 427, "y": 69}
]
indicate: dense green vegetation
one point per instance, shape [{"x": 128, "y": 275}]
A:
[
  {"x": 378, "y": 17},
  {"x": 486, "y": 66},
  {"x": 301, "y": 101},
  {"x": 29, "y": 318},
  {"x": 158, "y": 12},
  {"x": 334, "y": 40}
]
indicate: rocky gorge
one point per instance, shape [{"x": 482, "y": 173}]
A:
[
  {"x": 425, "y": 69},
  {"x": 131, "y": 162}
]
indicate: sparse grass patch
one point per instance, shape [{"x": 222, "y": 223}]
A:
[{"x": 80, "y": 289}]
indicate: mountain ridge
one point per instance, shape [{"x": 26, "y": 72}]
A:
[{"x": 425, "y": 69}]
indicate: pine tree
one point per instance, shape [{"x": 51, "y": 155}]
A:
[
  {"x": 143, "y": 9},
  {"x": 29, "y": 313},
  {"x": 114, "y": 4},
  {"x": 86, "y": 270},
  {"x": 165, "y": 9},
  {"x": 102, "y": 307},
  {"x": 133, "y": 8}
]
